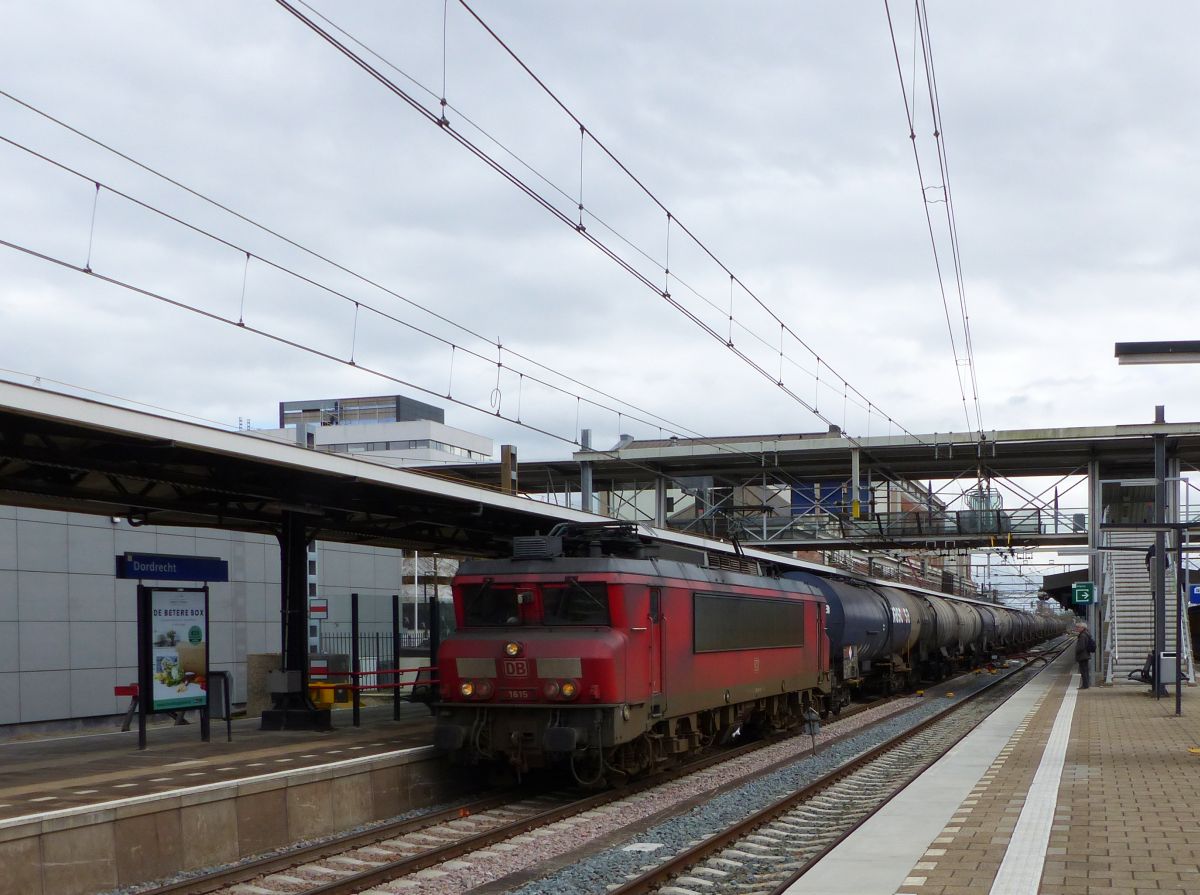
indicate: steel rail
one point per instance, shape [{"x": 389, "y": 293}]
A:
[
  {"x": 212, "y": 882},
  {"x": 217, "y": 880},
  {"x": 659, "y": 875}
]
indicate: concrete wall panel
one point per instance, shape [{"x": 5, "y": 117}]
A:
[
  {"x": 42, "y": 596},
  {"x": 45, "y": 695},
  {"x": 310, "y": 809},
  {"x": 41, "y": 546},
  {"x": 79, "y": 861},
  {"x": 147, "y": 847},
  {"x": 92, "y": 597},
  {"x": 93, "y": 644},
  {"x": 10, "y": 651},
  {"x": 125, "y": 600},
  {"x": 92, "y": 693},
  {"x": 220, "y": 641},
  {"x": 262, "y": 822},
  {"x": 90, "y": 550},
  {"x": 127, "y": 539},
  {"x": 10, "y": 699},
  {"x": 8, "y": 542},
  {"x": 352, "y": 802},
  {"x": 9, "y": 599},
  {"x": 45, "y": 646},
  {"x": 22, "y": 863},
  {"x": 206, "y": 831}
]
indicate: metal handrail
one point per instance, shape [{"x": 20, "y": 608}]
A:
[{"x": 1109, "y": 596}]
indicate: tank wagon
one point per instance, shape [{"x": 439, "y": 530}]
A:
[{"x": 608, "y": 649}]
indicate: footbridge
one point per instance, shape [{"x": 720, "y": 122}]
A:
[{"x": 826, "y": 491}]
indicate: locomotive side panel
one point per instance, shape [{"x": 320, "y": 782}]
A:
[{"x": 726, "y": 647}]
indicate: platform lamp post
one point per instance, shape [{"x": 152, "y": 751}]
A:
[{"x": 1173, "y": 352}]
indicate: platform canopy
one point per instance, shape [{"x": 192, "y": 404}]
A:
[{"x": 59, "y": 452}]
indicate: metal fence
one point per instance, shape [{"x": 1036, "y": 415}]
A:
[
  {"x": 374, "y": 652},
  {"x": 909, "y": 523}
]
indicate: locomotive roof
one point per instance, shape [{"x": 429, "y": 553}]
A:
[
  {"x": 650, "y": 565},
  {"x": 636, "y": 542}
]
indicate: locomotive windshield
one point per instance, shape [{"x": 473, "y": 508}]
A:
[
  {"x": 575, "y": 603},
  {"x": 569, "y": 602},
  {"x": 488, "y": 606}
]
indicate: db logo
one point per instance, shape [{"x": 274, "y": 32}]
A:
[{"x": 516, "y": 668}]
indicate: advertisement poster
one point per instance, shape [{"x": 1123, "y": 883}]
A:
[{"x": 179, "y": 650}]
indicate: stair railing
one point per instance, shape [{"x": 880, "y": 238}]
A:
[{"x": 1109, "y": 599}]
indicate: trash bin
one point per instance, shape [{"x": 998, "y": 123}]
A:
[{"x": 1166, "y": 668}]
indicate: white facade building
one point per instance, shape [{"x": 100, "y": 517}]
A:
[{"x": 390, "y": 429}]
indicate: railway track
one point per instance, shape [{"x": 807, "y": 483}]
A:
[
  {"x": 772, "y": 848},
  {"x": 362, "y": 860}
]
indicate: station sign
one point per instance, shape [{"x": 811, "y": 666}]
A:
[
  {"x": 1083, "y": 592},
  {"x": 1194, "y": 594},
  {"x": 165, "y": 567},
  {"x": 318, "y": 609}
]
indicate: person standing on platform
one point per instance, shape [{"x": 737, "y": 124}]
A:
[{"x": 1084, "y": 647}]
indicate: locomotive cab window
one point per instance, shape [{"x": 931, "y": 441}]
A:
[
  {"x": 575, "y": 602},
  {"x": 487, "y": 606}
]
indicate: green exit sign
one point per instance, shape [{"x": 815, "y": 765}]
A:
[{"x": 1083, "y": 592}]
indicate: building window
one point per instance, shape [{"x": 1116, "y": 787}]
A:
[
  {"x": 312, "y": 588},
  {"x": 312, "y": 567}
]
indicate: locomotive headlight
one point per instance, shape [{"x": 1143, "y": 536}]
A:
[
  {"x": 467, "y": 689},
  {"x": 512, "y": 649},
  {"x": 551, "y": 689},
  {"x": 569, "y": 689}
]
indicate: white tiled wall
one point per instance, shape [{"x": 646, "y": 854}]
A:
[{"x": 67, "y": 625}]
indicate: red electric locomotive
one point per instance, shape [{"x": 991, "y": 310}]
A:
[{"x": 609, "y": 651}]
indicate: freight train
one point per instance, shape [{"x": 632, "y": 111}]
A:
[{"x": 609, "y": 648}]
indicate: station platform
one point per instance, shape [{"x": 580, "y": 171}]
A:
[
  {"x": 1060, "y": 791},
  {"x": 91, "y": 813}
]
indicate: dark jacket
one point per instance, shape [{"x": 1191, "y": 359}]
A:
[{"x": 1084, "y": 646}]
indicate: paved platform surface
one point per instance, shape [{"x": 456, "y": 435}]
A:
[
  {"x": 54, "y": 773},
  {"x": 1060, "y": 792}
]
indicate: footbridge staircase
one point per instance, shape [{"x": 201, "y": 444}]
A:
[{"x": 1128, "y": 602}]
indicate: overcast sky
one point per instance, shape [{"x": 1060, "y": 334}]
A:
[{"x": 774, "y": 132}]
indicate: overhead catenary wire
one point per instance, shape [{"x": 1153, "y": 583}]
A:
[
  {"x": 857, "y": 399},
  {"x": 966, "y": 357},
  {"x": 939, "y": 135},
  {"x": 448, "y": 128},
  {"x": 311, "y": 252},
  {"x": 658, "y": 420},
  {"x": 309, "y": 349},
  {"x": 551, "y": 208},
  {"x": 357, "y": 304},
  {"x": 733, "y": 279}
]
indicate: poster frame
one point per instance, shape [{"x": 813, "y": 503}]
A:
[{"x": 145, "y": 640}]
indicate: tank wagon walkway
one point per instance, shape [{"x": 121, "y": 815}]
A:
[{"x": 1060, "y": 792}]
